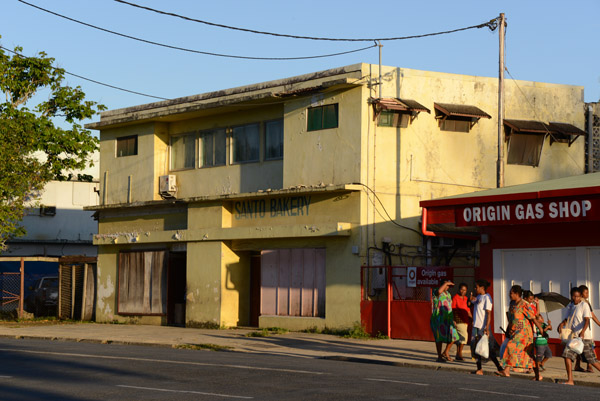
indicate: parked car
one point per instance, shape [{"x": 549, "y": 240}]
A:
[{"x": 43, "y": 296}]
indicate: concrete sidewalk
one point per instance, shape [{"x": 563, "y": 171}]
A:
[{"x": 420, "y": 354}]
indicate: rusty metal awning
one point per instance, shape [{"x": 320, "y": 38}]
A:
[
  {"x": 459, "y": 110},
  {"x": 566, "y": 129},
  {"x": 527, "y": 126},
  {"x": 396, "y": 104}
]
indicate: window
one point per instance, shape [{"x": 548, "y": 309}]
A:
[
  {"x": 455, "y": 125},
  {"x": 142, "y": 283},
  {"x": 274, "y": 140},
  {"x": 246, "y": 143},
  {"x": 525, "y": 149},
  {"x": 213, "y": 146},
  {"x": 293, "y": 282},
  {"x": 183, "y": 151},
  {"x": 127, "y": 146},
  {"x": 393, "y": 119},
  {"x": 322, "y": 117}
]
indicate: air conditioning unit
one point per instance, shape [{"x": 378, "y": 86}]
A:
[{"x": 167, "y": 186}]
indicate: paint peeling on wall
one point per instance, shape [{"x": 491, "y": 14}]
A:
[{"x": 106, "y": 292}]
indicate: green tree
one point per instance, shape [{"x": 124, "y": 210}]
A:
[{"x": 33, "y": 148}]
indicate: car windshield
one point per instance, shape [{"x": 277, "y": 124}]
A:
[{"x": 50, "y": 282}]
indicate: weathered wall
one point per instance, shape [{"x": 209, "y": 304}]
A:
[
  {"x": 329, "y": 156},
  {"x": 204, "y": 266},
  {"x": 235, "y": 287},
  {"x": 406, "y": 165},
  {"x": 115, "y": 171}
]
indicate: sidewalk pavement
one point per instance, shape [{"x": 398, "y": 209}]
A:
[{"x": 419, "y": 354}]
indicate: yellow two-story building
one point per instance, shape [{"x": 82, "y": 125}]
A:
[{"x": 258, "y": 205}]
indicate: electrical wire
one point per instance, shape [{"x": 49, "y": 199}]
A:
[
  {"x": 385, "y": 210},
  {"x": 89, "y": 79},
  {"x": 492, "y": 24},
  {"x": 192, "y": 50}
]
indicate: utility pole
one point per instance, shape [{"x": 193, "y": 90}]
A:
[
  {"x": 380, "y": 82},
  {"x": 500, "y": 168}
]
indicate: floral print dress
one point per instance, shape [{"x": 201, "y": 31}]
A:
[
  {"x": 442, "y": 319},
  {"x": 519, "y": 349}
]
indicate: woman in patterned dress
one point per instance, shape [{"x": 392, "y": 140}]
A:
[
  {"x": 519, "y": 351},
  {"x": 442, "y": 321}
]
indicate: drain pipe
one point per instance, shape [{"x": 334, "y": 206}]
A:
[{"x": 590, "y": 140}]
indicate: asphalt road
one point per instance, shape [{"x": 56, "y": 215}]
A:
[{"x": 56, "y": 370}]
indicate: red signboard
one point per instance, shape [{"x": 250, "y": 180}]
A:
[
  {"x": 528, "y": 212},
  {"x": 428, "y": 276}
]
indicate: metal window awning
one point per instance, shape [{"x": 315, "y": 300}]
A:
[
  {"x": 559, "y": 132},
  {"x": 527, "y": 126},
  {"x": 564, "y": 133},
  {"x": 460, "y": 110},
  {"x": 444, "y": 111},
  {"x": 408, "y": 106}
]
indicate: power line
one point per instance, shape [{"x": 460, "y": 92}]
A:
[
  {"x": 89, "y": 79},
  {"x": 492, "y": 24},
  {"x": 384, "y": 209},
  {"x": 192, "y": 50}
]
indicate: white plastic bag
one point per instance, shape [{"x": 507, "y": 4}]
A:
[
  {"x": 483, "y": 347},
  {"x": 576, "y": 345}
]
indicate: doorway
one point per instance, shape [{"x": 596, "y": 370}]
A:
[{"x": 176, "y": 289}]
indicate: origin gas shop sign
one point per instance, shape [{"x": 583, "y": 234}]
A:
[
  {"x": 428, "y": 276},
  {"x": 528, "y": 212}
]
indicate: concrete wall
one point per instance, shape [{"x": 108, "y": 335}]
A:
[
  {"x": 329, "y": 156},
  {"x": 406, "y": 165}
]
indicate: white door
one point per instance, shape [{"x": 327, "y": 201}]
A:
[{"x": 550, "y": 269}]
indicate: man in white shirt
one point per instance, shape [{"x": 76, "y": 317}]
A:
[
  {"x": 482, "y": 317},
  {"x": 579, "y": 320}
]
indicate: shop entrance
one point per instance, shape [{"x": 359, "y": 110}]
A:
[{"x": 176, "y": 289}]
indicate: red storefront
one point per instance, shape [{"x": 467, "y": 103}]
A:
[{"x": 544, "y": 236}]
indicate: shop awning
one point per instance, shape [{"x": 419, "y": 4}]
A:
[{"x": 568, "y": 199}]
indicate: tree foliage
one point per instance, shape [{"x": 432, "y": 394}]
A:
[{"x": 35, "y": 146}]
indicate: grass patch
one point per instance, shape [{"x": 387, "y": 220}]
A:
[
  {"x": 205, "y": 347},
  {"x": 266, "y": 332},
  {"x": 356, "y": 331}
]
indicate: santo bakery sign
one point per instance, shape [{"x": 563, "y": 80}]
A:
[
  {"x": 528, "y": 212},
  {"x": 273, "y": 207}
]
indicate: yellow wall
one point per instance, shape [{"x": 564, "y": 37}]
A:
[
  {"x": 235, "y": 288},
  {"x": 204, "y": 265},
  {"x": 420, "y": 162},
  {"x": 329, "y": 156}
]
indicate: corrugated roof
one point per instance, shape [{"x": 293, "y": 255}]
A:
[
  {"x": 527, "y": 126},
  {"x": 413, "y": 105},
  {"x": 566, "y": 129},
  {"x": 460, "y": 110}
]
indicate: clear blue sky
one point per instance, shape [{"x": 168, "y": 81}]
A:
[{"x": 548, "y": 41}]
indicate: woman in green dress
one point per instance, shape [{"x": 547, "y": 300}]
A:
[{"x": 442, "y": 321}]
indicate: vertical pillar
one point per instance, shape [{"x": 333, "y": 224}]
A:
[{"x": 22, "y": 294}]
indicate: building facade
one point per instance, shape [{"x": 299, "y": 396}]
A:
[{"x": 258, "y": 205}]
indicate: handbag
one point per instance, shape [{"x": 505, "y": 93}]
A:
[{"x": 566, "y": 333}]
